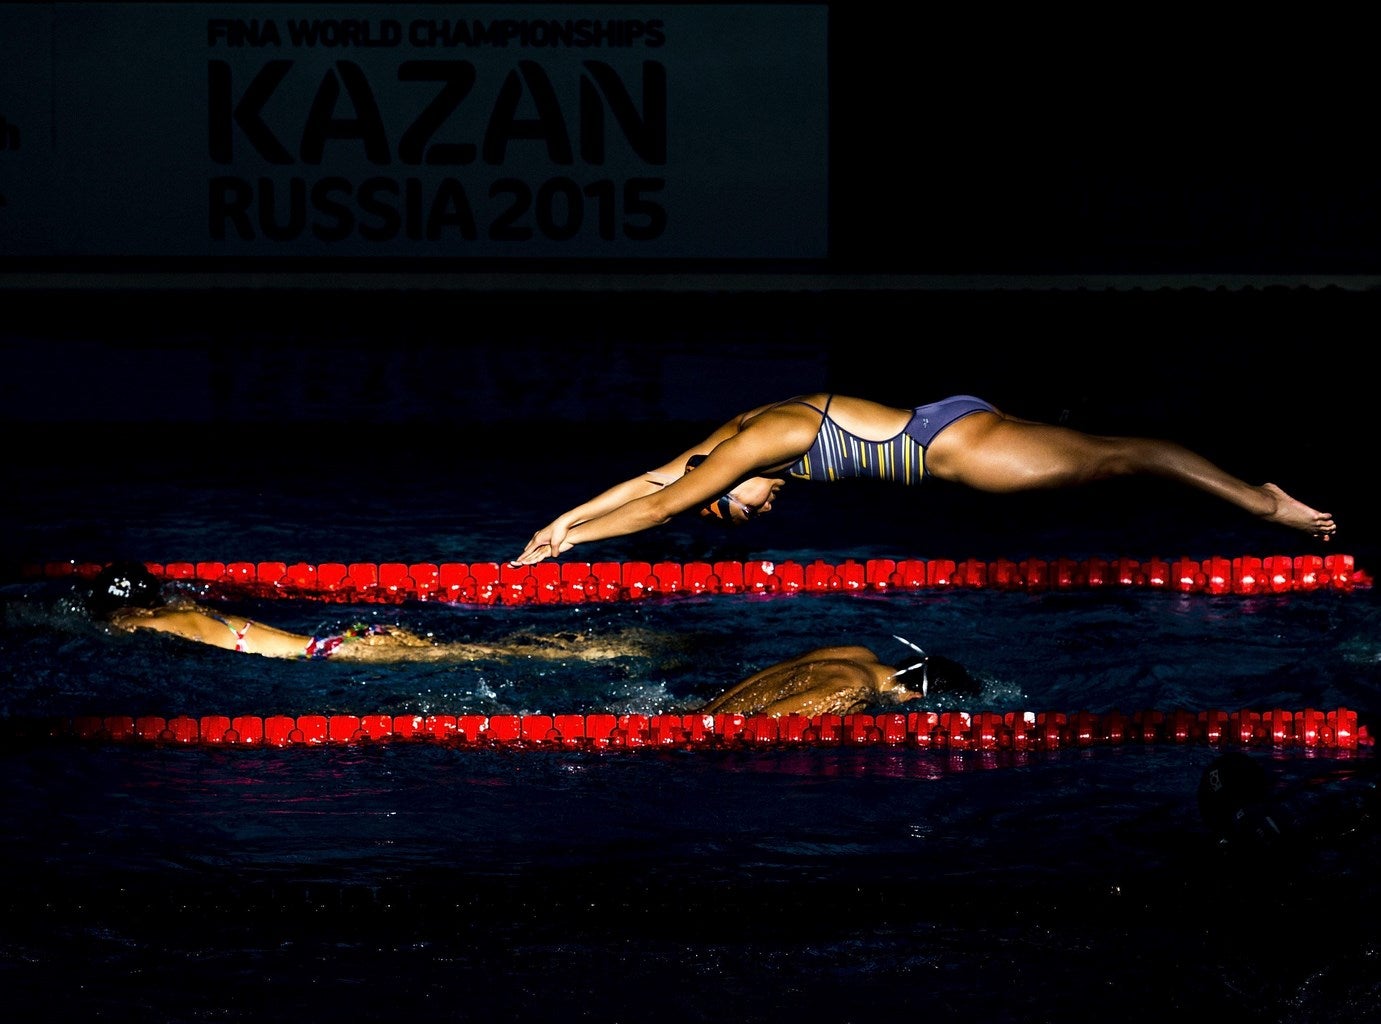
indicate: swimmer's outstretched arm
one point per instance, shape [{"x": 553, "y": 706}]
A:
[
  {"x": 554, "y": 539},
  {"x": 733, "y": 453},
  {"x": 228, "y": 632}
]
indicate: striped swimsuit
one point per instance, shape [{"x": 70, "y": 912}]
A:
[{"x": 836, "y": 454}]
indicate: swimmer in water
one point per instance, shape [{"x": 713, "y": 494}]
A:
[
  {"x": 740, "y": 468},
  {"x": 129, "y": 597},
  {"x": 842, "y": 680}
]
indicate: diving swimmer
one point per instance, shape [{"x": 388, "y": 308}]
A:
[{"x": 736, "y": 473}]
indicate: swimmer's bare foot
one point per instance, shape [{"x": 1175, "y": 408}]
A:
[{"x": 1296, "y": 514}]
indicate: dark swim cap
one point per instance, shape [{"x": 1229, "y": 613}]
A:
[
  {"x": 123, "y": 585},
  {"x": 937, "y": 674},
  {"x": 945, "y": 675}
]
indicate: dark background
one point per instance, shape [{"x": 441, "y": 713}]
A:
[
  {"x": 1155, "y": 222},
  {"x": 1162, "y": 142},
  {"x": 963, "y": 142}
]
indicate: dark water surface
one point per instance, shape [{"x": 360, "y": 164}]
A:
[{"x": 420, "y": 881}]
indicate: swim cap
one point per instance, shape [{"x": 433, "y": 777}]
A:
[
  {"x": 945, "y": 675},
  {"x": 938, "y": 674},
  {"x": 123, "y": 585}
]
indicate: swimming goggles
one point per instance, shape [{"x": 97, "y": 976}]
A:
[{"x": 923, "y": 665}]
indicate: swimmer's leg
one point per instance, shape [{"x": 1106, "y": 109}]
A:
[{"x": 990, "y": 453}]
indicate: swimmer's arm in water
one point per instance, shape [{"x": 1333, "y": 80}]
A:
[
  {"x": 222, "y": 632},
  {"x": 554, "y": 647},
  {"x": 383, "y": 644}
]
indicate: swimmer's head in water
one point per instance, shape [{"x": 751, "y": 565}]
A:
[
  {"x": 123, "y": 585},
  {"x": 935, "y": 673},
  {"x": 726, "y": 507},
  {"x": 939, "y": 674}
]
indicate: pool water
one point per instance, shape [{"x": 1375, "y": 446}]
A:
[{"x": 369, "y": 882}]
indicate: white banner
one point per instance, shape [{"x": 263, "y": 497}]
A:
[{"x": 302, "y": 130}]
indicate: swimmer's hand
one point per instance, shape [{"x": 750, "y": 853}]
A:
[{"x": 547, "y": 542}]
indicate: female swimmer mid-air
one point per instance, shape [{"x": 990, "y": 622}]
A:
[{"x": 738, "y": 469}]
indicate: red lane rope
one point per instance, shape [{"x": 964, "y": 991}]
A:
[
  {"x": 1018, "y": 731},
  {"x": 554, "y": 582}
]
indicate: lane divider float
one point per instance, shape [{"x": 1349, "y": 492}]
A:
[
  {"x": 555, "y": 582},
  {"x": 1013, "y": 731}
]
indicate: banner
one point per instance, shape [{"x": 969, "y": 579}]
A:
[{"x": 551, "y": 132}]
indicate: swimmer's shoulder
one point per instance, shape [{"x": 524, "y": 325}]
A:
[
  {"x": 841, "y": 652},
  {"x": 811, "y": 405}
]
